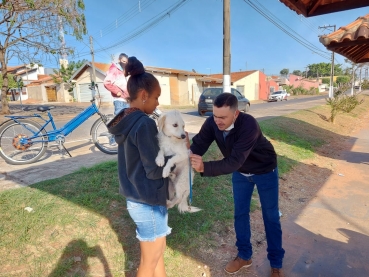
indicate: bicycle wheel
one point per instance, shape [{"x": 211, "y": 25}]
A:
[
  {"x": 102, "y": 139},
  {"x": 13, "y": 150}
]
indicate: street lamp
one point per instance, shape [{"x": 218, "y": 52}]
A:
[{"x": 18, "y": 80}]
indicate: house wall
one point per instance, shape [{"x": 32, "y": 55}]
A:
[
  {"x": 85, "y": 79},
  {"x": 176, "y": 89},
  {"x": 266, "y": 85},
  {"x": 37, "y": 93},
  {"x": 62, "y": 94},
  {"x": 163, "y": 80},
  {"x": 297, "y": 81},
  {"x": 251, "y": 85},
  {"x": 194, "y": 88},
  {"x": 183, "y": 90}
]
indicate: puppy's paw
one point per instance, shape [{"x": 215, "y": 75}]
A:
[
  {"x": 159, "y": 160},
  {"x": 170, "y": 204},
  {"x": 166, "y": 171},
  {"x": 172, "y": 176}
]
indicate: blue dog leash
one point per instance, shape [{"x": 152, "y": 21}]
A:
[{"x": 190, "y": 177}]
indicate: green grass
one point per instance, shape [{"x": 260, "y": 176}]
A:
[{"x": 82, "y": 214}]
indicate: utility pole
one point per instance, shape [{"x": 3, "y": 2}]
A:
[
  {"x": 226, "y": 47},
  {"x": 93, "y": 81},
  {"x": 330, "y": 94}
]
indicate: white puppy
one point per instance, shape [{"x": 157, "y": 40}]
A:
[{"x": 172, "y": 142}]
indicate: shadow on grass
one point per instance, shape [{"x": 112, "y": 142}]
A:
[
  {"x": 74, "y": 259},
  {"x": 96, "y": 189}
]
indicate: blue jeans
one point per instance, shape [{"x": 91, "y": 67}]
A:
[
  {"x": 119, "y": 105},
  {"x": 151, "y": 221},
  {"x": 267, "y": 185}
]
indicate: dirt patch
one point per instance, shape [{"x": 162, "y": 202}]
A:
[{"x": 297, "y": 189}]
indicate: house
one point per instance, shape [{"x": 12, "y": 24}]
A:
[
  {"x": 253, "y": 84},
  {"x": 44, "y": 89},
  {"x": 298, "y": 81},
  {"x": 178, "y": 87},
  {"x": 28, "y": 72}
]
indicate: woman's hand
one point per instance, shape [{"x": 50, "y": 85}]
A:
[{"x": 197, "y": 163}]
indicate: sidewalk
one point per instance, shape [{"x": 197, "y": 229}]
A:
[{"x": 330, "y": 237}]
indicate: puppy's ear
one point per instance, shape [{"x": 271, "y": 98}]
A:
[{"x": 161, "y": 122}]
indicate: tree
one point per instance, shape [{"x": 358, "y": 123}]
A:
[
  {"x": 31, "y": 29},
  {"x": 297, "y": 72},
  {"x": 64, "y": 74},
  {"x": 11, "y": 82},
  {"x": 284, "y": 72},
  {"x": 323, "y": 69}
]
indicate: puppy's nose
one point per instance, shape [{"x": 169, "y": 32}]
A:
[{"x": 183, "y": 136}]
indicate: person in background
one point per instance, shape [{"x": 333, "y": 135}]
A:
[
  {"x": 141, "y": 181},
  {"x": 252, "y": 160},
  {"x": 116, "y": 82}
]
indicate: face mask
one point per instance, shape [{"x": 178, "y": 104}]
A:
[
  {"x": 232, "y": 125},
  {"x": 122, "y": 65}
]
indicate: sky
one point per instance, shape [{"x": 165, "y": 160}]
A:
[{"x": 191, "y": 37}]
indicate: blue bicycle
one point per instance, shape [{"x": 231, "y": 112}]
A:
[{"x": 24, "y": 141}]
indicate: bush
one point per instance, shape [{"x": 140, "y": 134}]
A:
[
  {"x": 342, "y": 103},
  {"x": 313, "y": 91},
  {"x": 343, "y": 79},
  {"x": 365, "y": 85},
  {"x": 288, "y": 88},
  {"x": 326, "y": 81}
]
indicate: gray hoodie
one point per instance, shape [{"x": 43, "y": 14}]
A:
[{"x": 139, "y": 177}]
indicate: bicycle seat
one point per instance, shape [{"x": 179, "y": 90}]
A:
[{"x": 45, "y": 108}]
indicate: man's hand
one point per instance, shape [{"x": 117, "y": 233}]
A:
[
  {"x": 197, "y": 163},
  {"x": 119, "y": 94}
]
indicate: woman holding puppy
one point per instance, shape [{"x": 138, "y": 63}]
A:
[{"x": 141, "y": 181}]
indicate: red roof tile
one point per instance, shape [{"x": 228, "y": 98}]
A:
[
  {"x": 318, "y": 7},
  {"x": 235, "y": 76},
  {"x": 351, "y": 41}
]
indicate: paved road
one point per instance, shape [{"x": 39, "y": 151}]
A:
[{"x": 84, "y": 153}]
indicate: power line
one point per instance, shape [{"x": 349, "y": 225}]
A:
[
  {"x": 144, "y": 27},
  {"x": 300, "y": 40},
  {"x": 126, "y": 17},
  {"x": 273, "y": 18}
]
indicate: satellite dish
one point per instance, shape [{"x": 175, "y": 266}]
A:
[{"x": 193, "y": 70}]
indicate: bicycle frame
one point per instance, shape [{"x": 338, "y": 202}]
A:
[{"x": 65, "y": 130}]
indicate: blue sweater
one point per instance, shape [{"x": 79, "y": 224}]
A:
[{"x": 139, "y": 177}]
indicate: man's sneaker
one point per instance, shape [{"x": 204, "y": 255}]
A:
[
  {"x": 234, "y": 266},
  {"x": 277, "y": 272}
]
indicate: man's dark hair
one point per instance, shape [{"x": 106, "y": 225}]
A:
[
  {"x": 226, "y": 100},
  {"x": 122, "y": 55}
]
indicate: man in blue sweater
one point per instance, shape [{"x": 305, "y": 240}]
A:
[{"x": 251, "y": 159}]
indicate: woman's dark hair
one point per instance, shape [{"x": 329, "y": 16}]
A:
[
  {"x": 139, "y": 79},
  {"x": 226, "y": 100},
  {"x": 122, "y": 55}
]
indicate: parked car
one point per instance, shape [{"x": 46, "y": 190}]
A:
[
  {"x": 207, "y": 97},
  {"x": 278, "y": 95}
]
